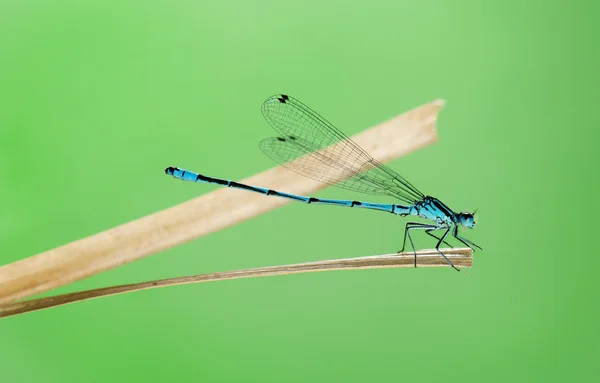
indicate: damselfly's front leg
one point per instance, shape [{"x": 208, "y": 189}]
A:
[
  {"x": 437, "y": 248},
  {"x": 464, "y": 240}
]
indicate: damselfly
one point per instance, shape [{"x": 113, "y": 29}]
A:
[{"x": 311, "y": 146}]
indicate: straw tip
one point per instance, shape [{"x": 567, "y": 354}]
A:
[{"x": 440, "y": 103}]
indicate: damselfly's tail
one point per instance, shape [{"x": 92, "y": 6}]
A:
[{"x": 187, "y": 175}]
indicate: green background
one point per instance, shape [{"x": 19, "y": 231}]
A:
[{"x": 98, "y": 98}]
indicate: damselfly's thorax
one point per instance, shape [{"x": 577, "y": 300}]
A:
[{"x": 435, "y": 210}]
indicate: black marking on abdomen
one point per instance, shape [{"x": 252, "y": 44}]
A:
[
  {"x": 313, "y": 199},
  {"x": 217, "y": 181},
  {"x": 355, "y": 203},
  {"x": 290, "y": 196},
  {"x": 246, "y": 187}
]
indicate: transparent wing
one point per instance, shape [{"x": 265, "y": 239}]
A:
[{"x": 311, "y": 146}]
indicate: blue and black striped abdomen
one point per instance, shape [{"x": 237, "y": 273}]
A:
[{"x": 187, "y": 175}]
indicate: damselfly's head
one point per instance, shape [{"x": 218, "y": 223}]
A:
[{"x": 467, "y": 219}]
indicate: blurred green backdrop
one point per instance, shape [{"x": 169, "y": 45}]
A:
[{"x": 99, "y": 97}]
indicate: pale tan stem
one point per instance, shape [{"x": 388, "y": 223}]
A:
[{"x": 425, "y": 258}]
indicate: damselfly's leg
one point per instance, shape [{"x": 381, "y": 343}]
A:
[
  {"x": 428, "y": 231},
  {"x": 437, "y": 247},
  {"x": 464, "y": 240},
  {"x": 414, "y": 226}
]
